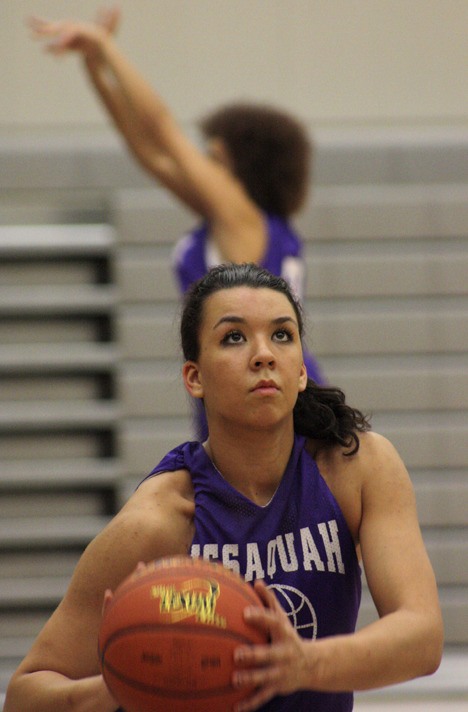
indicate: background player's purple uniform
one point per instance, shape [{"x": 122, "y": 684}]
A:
[
  {"x": 195, "y": 254},
  {"x": 299, "y": 544}
]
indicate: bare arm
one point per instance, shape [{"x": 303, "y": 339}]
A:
[
  {"x": 61, "y": 671},
  {"x": 406, "y": 641},
  {"x": 156, "y": 139}
]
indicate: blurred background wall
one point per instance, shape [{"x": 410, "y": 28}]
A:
[{"x": 332, "y": 61}]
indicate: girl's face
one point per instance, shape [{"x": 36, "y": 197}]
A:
[{"x": 250, "y": 368}]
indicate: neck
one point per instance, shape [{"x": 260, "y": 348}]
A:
[{"x": 256, "y": 467}]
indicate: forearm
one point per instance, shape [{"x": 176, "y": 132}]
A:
[
  {"x": 396, "y": 648},
  {"x": 45, "y": 691},
  {"x": 140, "y": 115},
  {"x": 122, "y": 114},
  {"x": 122, "y": 106},
  {"x": 127, "y": 95}
]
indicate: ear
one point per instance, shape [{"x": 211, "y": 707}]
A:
[
  {"x": 220, "y": 153},
  {"x": 192, "y": 381},
  {"x": 303, "y": 378}
]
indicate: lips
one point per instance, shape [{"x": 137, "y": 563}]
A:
[{"x": 266, "y": 387}]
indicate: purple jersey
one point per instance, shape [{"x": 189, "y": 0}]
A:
[
  {"x": 195, "y": 254},
  {"x": 299, "y": 544}
]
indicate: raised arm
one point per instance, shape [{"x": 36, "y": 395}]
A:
[
  {"x": 61, "y": 671},
  {"x": 155, "y": 137}
]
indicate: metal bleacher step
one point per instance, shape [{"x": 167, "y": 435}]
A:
[
  {"x": 15, "y": 623},
  {"x": 90, "y": 472},
  {"x": 42, "y": 357},
  {"x": 442, "y": 499},
  {"x": 447, "y": 548},
  {"x": 17, "y": 564},
  {"x": 70, "y": 502},
  {"x": 42, "y": 532},
  {"x": 14, "y": 648},
  {"x": 63, "y": 240},
  {"x": 58, "y": 415},
  {"x": 37, "y": 592},
  {"x": 66, "y": 300}
]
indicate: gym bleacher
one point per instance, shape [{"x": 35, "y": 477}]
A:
[{"x": 90, "y": 394}]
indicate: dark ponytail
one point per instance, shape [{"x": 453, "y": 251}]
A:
[{"x": 321, "y": 413}]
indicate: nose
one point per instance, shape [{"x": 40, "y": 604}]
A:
[{"x": 262, "y": 355}]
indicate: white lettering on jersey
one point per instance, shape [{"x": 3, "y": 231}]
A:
[
  {"x": 291, "y": 564},
  {"x": 271, "y": 557},
  {"x": 254, "y": 568},
  {"x": 282, "y": 552},
  {"x": 310, "y": 551},
  {"x": 229, "y": 551},
  {"x": 211, "y": 551},
  {"x": 332, "y": 545}
]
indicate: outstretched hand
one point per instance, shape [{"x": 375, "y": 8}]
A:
[
  {"x": 279, "y": 668},
  {"x": 71, "y": 35}
]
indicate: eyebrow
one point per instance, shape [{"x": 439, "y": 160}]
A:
[{"x": 233, "y": 319}]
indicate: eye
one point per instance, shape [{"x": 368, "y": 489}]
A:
[
  {"x": 283, "y": 335},
  {"x": 233, "y": 337}
]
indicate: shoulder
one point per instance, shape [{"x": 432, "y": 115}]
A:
[
  {"x": 378, "y": 463},
  {"x": 157, "y": 520},
  {"x": 160, "y": 497},
  {"x": 375, "y": 451},
  {"x": 359, "y": 480},
  {"x": 174, "y": 485}
]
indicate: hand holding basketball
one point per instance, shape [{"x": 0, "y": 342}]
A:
[
  {"x": 280, "y": 668},
  {"x": 168, "y": 636}
]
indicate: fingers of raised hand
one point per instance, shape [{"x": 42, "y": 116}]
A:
[
  {"x": 108, "y": 18},
  {"x": 60, "y": 34},
  {"x": 66, "y": 34},
  {"x": 40, "y": 27}
]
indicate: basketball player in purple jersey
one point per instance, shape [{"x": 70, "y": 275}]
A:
[
  {"x": 291, "y": 490},
  {"x": 252, "y": 180}
]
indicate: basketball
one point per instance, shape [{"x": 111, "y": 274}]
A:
[{"x": 168, "y": 636}]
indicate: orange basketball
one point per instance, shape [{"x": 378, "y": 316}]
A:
[{"x": 167, "y": 638}]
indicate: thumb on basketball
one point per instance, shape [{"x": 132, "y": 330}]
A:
[{"x": 108, "y": 596}]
